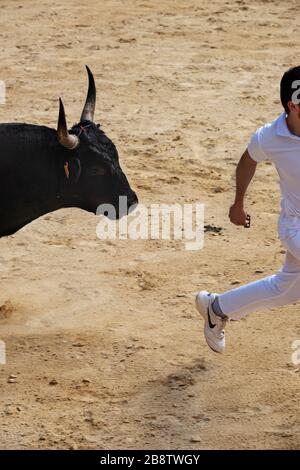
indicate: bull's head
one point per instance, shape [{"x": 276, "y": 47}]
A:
[{"x": 92, "y": 162}]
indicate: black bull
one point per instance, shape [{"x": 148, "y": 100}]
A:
[{"x": 43, "y": 169}]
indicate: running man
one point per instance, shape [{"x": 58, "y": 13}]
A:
[{"x": 278, "y": 142}]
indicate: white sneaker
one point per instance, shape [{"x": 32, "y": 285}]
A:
[{"x": 214, "y": 325}]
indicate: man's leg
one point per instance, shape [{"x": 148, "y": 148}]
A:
[{"x": 273, "y": 291}]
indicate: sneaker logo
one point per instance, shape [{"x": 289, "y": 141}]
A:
[{"x": 211, "y": 325}]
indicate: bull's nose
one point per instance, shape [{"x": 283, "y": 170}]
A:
[{"x": 132, "y": 200}]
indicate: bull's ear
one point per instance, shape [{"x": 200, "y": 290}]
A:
[{"x": 73, "y": 170}]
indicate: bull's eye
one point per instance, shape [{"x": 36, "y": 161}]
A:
[{"x": 97, "y": 170}]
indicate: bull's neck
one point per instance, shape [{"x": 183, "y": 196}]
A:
[{"x": 32, "y": 180}]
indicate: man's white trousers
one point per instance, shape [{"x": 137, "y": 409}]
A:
[{"x": 273, "y": 291}]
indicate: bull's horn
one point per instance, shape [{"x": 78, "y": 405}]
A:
[
  {"x": 90, "y": 103},
  {"x": 67, "y": 140}
]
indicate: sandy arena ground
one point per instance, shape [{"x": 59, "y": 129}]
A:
[{"x": 104, "y": 346}]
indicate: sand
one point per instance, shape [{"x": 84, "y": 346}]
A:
[{"x": 104, "y": 346}]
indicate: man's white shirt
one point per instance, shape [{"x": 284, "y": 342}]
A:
[{"x": 275, "y": 143}]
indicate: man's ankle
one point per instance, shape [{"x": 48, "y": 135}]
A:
[{"x": 217, "y": 309}]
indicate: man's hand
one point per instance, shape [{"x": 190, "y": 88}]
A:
[{"x": 237, "y": 215}]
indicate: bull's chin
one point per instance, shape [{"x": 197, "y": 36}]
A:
[
  {"x": 111, "y": 210},
  {"x": 126, "y": 212},
  {"x": 116, "y": 214},
  {"x": 132, "y": 208}
]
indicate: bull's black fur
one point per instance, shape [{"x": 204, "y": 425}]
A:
[{"x": 33, "y": 180}]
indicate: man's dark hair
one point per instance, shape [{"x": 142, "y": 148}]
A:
[{"x": 286, "y": 90}]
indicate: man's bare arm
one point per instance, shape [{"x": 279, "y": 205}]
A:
[{"x": 244, "y": 173}]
